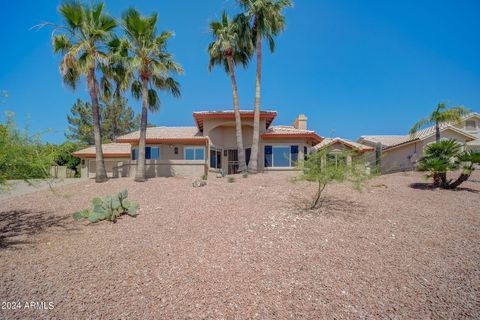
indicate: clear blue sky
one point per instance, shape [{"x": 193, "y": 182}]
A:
[{"x": 354, "y": 67}]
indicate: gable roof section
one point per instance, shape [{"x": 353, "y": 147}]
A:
[
  {"x": 348, "y": 143},
  {"x": 426, "y": 133},
  {"x": 110, "y": 150},
  {"x": 385, "y": 141},
  {"x": 166, "y": 134},
  {"x": 282, "y": 132},
  {"x": 200, "y": 116}
]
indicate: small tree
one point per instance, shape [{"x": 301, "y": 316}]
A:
[
  {"x": 62, "y": 155},
  {"x": 326, "y": 167},
  {"x": 447, "y": 155}
]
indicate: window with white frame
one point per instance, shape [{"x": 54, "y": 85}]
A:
[
  {"x": 470, "y": 125},
  {"x": 151, "y": 153},
  {"x": 194, "y": 153},
  {"x": 281, "y": 156}
]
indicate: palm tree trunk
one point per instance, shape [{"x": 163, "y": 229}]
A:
[
  {"x": 140, "y": 172},
  {"x": 437, "y": 132},
  {"x": 253, "y": 164},
  {"x": 100, "y": 172},
  {"x": 238, "y": 122},
  {"x": 461, "y": 179}
]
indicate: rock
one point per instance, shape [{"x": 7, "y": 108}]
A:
[{"x": 199, "y": 183}]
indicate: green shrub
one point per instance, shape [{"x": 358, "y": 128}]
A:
[
  {"x": 109, "y": 208},
  {"x": 205, "y": 177},
  {"x": 245, "y": 175},
  {"x": 231, "y": 179}
]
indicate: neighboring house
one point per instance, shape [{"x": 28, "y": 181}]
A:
[
  {"x": 344, "y": 150},
  {"x": 401, "y": 153},
  {"x": 209, "y": 146}
]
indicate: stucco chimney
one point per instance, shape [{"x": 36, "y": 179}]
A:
[{"x": 301, "y": 122}]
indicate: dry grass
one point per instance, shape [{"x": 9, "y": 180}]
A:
[{"x": 244, "y": 250}]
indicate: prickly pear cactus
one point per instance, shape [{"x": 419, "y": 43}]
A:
[{"x": 108, "y": 208}]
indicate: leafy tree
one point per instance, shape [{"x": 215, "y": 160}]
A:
[
  {"x": 62, "y": 155},
  {"x": 22, "y": 154},
  {"x": 324, "y": 168},
  {"x": 265, "y": 20},
  {"x": 117, "y": 119},
  {"x": 230, "y": 49},
  {"x": 151, "y": 67},
  {"x": 81, "y": 123},
  {"x": 447, "y": 155},
  {"x": 81, "y": 40},
  {"x": 439, "y": 116}
]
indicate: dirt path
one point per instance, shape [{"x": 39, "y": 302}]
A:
[{"x": 243, "y": 250}]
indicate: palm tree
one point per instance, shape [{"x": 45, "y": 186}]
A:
[
  {"x": 265, "y": 19},
  {"x": 81, "y": 41},
  {"x": 151, "y": 67},
  {"x": 441, "y": 115},
  {"x": 230, "y": 49}
]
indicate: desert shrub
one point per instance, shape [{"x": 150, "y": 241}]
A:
[
  {"x": 205, "y": 177},
  {"x": 22, "y": 154},
  {"x": 62, "y": 156},
  {"x": 108, "y": 208},
  {"x": 447, "y": 155},
  {"x": 245, "y": 175},
  {"x": 231, "y": 179},
  {"x": 325, "y": 167}
]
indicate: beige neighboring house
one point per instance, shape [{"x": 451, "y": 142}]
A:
[
  {"x": 208, "y": 146},
  {"x": 401, "y": 153}
]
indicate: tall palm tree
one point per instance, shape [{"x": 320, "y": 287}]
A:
[
  {"x": 266, "y": 21},
  {"x": 151, "y": 67},
  {"x": 230, "y": 49},
  {"x": 81, "y": 41},
  {"x": 441, "y": 115}
]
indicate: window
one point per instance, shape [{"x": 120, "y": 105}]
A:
[
  {"x": 305, "y": 153},
  {"x": 151, "y": 153},
  {"x": 281, "y": 156},
  {"x": 470, "y": 125},
  {"x": 336, "y": 158},
  {"x": 215, "y": 158},
  {"x": 194, "y": 153}
]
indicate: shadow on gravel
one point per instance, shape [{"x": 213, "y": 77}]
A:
[
  {"x": 16, "y": 226},
  {"x": 429, "y": 186},
  {"x": 331, "y": 206}
]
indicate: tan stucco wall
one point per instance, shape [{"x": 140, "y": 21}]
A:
[
  {"x": 397, "y": 159},
  {"x": 110, "y": 166},
  {"x": 225, "y": 137},
  {"x": 401, "y": 158}
]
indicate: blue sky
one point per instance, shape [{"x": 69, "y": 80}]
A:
[{"x": 353, "y": 67}]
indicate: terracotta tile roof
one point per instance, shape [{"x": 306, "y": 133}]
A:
[
  {"x": 199, "y": 116},
  {"x": 110, "y": 150},
  {"x": 165, "y": 133},
  {"x": 290, "y": 131},
  {"x": 383, "y": 140},
  {"x": 393, "y": 141},
  {"x": 354, "y": 145}
]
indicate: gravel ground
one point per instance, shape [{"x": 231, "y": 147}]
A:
[{"x": 244, "y": 250}]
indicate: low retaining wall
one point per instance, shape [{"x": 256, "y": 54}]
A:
[{"x": 162, "y": 168}]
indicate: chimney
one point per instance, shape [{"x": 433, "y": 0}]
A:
[{"x": 301, "y": 122}]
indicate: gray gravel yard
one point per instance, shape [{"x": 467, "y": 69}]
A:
[{"x": 244, "y": 250}]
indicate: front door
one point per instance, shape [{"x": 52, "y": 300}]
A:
[{"x": 232, "y": 161}]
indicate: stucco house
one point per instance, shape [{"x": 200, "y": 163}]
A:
[
  {"x": 401, "y": 152},
  {"x": 345, "y": 149},
  {"x": 208, "y": 146}
]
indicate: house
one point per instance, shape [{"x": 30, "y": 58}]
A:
[
  {"x": 342, "y": 149},
  {"x": 208, "y": 146},
  {"x": 401, "y": 152}
]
